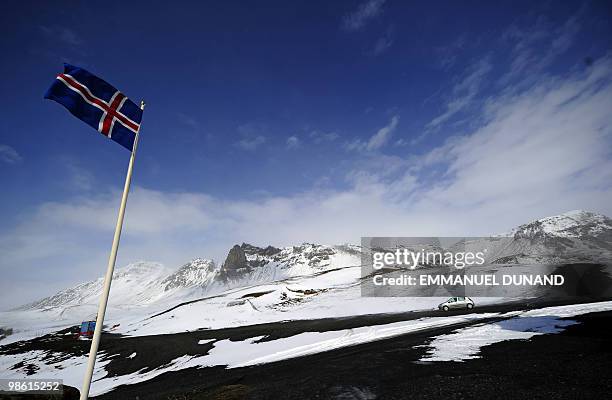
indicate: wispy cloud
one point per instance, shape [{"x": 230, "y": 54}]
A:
[
  {"x": 383, "y": 135},
  {"x": 252, "y": 135},
  {"x": 383, "y": 43},
  {"x": 188, "y": 120},
  {"x": 378, "y": 140},
  {"x": 540, "y": 151},
  {"x": 535, "y": 47},
  {"x": 366, "y": 11},
  {"x": 463, "y": 93},
  {"x": 293, "y": 142},
  {"x": 78, "y": 178},
  {"x": 9, "y": 155},
  {"x": 251, "y": 143},
  {"x": 192, "y": 128},
  {"x": 321, "y": 137},
  {"x": 447, "y": 55}
]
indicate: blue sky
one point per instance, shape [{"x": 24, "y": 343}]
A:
[{"x": 297, "y": 121}]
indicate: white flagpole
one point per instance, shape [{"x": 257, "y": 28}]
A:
[{"x": 109, "y": 274}]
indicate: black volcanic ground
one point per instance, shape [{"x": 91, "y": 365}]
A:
[{"x": 573, "y": 364}]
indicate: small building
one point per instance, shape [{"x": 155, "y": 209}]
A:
[{"x": 87, "y": 329}]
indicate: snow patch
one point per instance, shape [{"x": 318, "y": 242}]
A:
[{"x": 465, "y": 344}]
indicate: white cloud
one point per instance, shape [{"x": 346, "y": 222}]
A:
[
  {"x": 252, "y": 135},
  {"x": 447, "y": 55},
  {"x": 357, "y": 19},
  {"x": 383, "y": 43},
  {"x": 383, "y": 135},
  {"x": 188, "y": 120},
  {"x": 251, "y": 143},
  {"x": 463, "y": 93},
  {"x": 293, "y": 142},
  {"x": 534, "y": 48},
  {"x": 537, "y": 46},
  {"x": 9, "y": 155},
  {"x": 378, "y": 140},
  {"x": 539, "y": 152},
  {"x": 320, "y": 137}
]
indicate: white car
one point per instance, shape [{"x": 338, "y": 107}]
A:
[{"x": 457, "y": 303}]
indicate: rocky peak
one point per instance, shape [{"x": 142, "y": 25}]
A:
[
  {"x": 254, "y": 250},
  {"x": 236, "y": 259},
  {"x": 531, "y": 230},
  {"x": 235, "y": 264}
]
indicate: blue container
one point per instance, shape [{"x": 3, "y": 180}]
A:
[{"x": 87, "y": 328}]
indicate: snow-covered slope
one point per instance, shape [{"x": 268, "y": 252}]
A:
[
  {"x": 134, "y": 283},
  {"x": 572, "y": 224},
  {"x": 215, "y": 348},
  {"x": 143, "y": 289},
  {"x": 256, "y": 285},
  {"x": 296, "y": 282},
  {"x": 579, "y": 234},
  {"x": 197, "y": 273},
  {"x": 144, "y": 283},
  {"x": 575, "y": 236},
  {"x": 246, "y": 264}
]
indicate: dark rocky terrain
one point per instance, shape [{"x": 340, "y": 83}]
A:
[{"x": 573, "y": 364}]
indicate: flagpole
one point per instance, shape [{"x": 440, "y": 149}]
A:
[{"x": 109, "y": 274}]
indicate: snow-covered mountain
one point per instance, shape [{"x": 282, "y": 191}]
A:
[
  {"x": 143, "y": 276},
  {"x": 575, "y": 236},
  {"x": 198, "y": 273},
  {"x": 256, "y": 285},
  {"x": 248, "y": 264},
  {"x": 572, "y": 224},
  {"x": 263, "y": 284},
  {"x": 144, "y": 283},
  {"x": 572, "y": 236}
]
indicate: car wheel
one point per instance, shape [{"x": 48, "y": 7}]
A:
[
  {"x": 445, "y": 308},
  {"x": 470, "y": 306}
]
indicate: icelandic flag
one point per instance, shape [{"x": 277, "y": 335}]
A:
[{"x": 98, "y": 104}]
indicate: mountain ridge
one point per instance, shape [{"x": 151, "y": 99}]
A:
[
  {"x": 145, "y": 282},
  {"x": 149, "y": 282}
]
